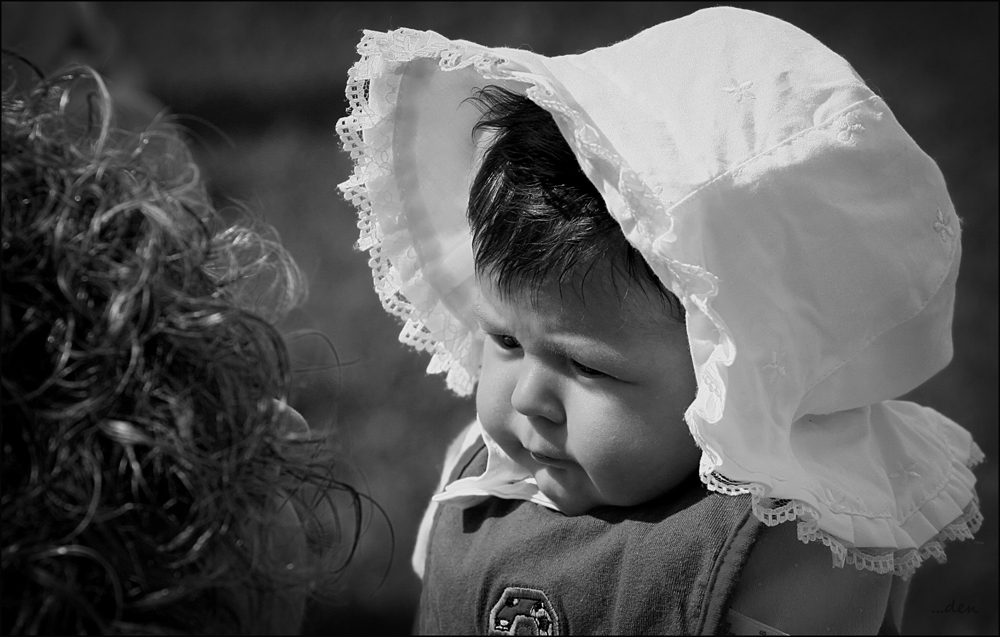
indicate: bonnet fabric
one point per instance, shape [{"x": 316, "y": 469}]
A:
[{"x": 813, "y": 244}]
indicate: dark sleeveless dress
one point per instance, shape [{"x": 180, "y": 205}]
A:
[{"x": 512, "y": 567}]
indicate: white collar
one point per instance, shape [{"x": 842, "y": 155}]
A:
[{"x": 503, "y": 477}]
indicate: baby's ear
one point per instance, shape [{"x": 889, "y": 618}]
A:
[{"x": 292, "y": 425}]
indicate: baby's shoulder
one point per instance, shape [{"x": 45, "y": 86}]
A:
[{"x": 793, "y": 587}]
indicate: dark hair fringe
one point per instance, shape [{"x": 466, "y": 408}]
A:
[
  {"x": 146, "y": 450},
  {"x": 534, "y": 213}
]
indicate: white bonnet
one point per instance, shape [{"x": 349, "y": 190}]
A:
[{"x": 811, "y": 241}]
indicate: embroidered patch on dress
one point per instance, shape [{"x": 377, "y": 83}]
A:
[{"x": 523, "y": 611}]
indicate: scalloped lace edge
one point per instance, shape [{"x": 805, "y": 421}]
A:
[
  {"x": 378, "y": 53},
  {"x": 903, "y": 563}
]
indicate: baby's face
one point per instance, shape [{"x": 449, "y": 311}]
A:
[{"x": 588, "y": 395}]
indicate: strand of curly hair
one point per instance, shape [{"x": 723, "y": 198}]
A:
[{"x": 148, "y": 459}]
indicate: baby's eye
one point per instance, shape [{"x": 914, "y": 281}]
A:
[
  {"x": 589, "y": 371},
  {"x": 505, "y": 341}
]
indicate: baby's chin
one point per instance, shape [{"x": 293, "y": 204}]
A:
[{"x": 571, "y": 501}]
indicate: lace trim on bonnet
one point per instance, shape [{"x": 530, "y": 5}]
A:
[
  {"x": 903, "y": 563},
  {"x": 429, "y": 326}
]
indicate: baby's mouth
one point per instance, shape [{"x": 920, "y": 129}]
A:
[{"x": 560, "y": 463}]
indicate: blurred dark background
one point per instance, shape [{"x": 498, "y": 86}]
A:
[{"x": 259, "y": 88}]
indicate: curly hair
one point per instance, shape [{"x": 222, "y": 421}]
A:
[{"x": 153, "y": 477}]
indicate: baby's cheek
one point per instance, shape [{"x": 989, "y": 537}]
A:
[
  {"x": 487, "y": 398},
  {"x": 495, "y": 387},
  {"x": 621, "y": 469},
  {"x": 492, "y": 405}
]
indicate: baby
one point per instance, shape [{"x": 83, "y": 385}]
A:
[{"x": 705, "y": 256}]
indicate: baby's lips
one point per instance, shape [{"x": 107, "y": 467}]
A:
[{"x": 552, "y": 461}]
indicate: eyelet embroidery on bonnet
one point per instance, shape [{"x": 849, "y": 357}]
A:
[
  {"x": 905, "y": 470},
  {"x": 775, "y": 368},
  {"x": 848, "y": 127},
  {"x": 648, "y": 214},
  {"x": 740, "y": 91},
  {"x": 943, "y": 226}
]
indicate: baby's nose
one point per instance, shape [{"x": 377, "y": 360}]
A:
[{"x": 536, "y": 394}]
